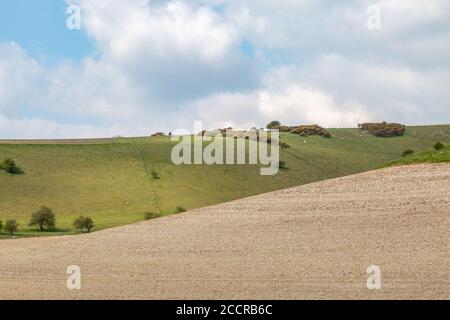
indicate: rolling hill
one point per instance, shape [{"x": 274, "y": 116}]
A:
[{"x": 113, "y": 181}]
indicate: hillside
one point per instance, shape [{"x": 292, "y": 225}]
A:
[
  {"x": 111, "y": 181},
  {"x": 310, "y": 242}
]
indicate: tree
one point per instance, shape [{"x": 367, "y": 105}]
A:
[
  {"x": 44, "y": 218},
  {"x": 11, "y": 226},
  {"x": 438, "y": 146},
  {"x": 84, "y": 223},
  {"x": 273, "y": 124}
]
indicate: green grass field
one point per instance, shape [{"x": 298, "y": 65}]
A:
[{"x": 110, "y": 180}]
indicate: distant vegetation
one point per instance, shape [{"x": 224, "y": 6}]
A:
[
  {"x": 273, "y": 124},
  {"x": 383, "y": 129},
  {"x": 432, "y": 155}
]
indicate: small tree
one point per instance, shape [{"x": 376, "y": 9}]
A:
[
  {"x": 84, "y": 223},
  {"x": 43, "y": 218},
  {"x": 438, "y": 146},
  {"x": 88, "y": 224},
  {"x": 273, "y": 124},
  {"x": 11, "y": 226}
]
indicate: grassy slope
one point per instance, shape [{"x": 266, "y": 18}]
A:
[
  {"x": 110, "y": 180},
  {"x": 430, "y": 156}
]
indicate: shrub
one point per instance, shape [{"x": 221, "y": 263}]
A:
[
  {"x": 11, "y": 226},
  {"x": 9, "y": 166},
  {"x": 438, "y": 146},
  {"x": 180, "y": 210},
  {"x": 407, "y": 152},
  {"x": 284, "y": 145},
  {"x": 383, "y": 129},
  {"x": 284, "y": 128},
  {"x": 282, "y": 165},
  {"x": 311, "y": 130},
  {"x": 151, "y": 215},
  {"x": 43, "y": 218},
  {"x": 1, "y": 224},
  {"x": 155, "y": 175},
  {"x": 84, "y": 223},
  {"x": 158, "y": 134},
  {"x": 273, "y": 124}
]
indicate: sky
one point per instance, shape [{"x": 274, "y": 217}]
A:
[{"x": 136, "y": 67}]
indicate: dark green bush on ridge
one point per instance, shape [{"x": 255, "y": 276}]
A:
[{"x": 273, "y": 124}]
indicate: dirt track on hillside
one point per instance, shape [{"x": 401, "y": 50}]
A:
[{"x": 309, "y": 242}]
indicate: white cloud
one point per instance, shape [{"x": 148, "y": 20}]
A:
[{"x": 163, "y": 64}]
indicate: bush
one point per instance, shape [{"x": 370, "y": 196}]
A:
[
  {"x": 284, "y": 128},
  {"x": 180, "y": 210},
  {"x": 44, "y": 218},
  {"x": 284, "y": 145},
  {"x": 151, "y": 215},
  {"x": 84, "y": 223},
  {"x": 282, "y": 165},
  {"x": 155, "y": 175},
  {"x": 438, "y": 146},
  {"x": 273, "y": 124},
  {"x": 9, "y": 166},
  {"x": 158, "y": 134},
  {"x": 1, "y": 224},
  {"x": 311, "y": 130},
  {"x": 407, "y": 152},
  {"x": 383, "y": 129},
  {"x": 11, "y": 226}
]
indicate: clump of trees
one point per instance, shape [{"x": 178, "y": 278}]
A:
[
  {"x": 438, "y": 146},
  {"x": 44, "y": 218},
  {"x": 311, "y": 130},
  {"x": 9, "y": 166},
  {"x": 383, "y": 129},
  {"x": 84, "y": 224}
]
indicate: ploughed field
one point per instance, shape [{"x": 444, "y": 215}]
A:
[
  {"x": 313, "y": 241},
  {"x": 113, "y": 180}
]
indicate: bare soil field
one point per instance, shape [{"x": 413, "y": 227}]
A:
[{"x": 310, "y": 242}]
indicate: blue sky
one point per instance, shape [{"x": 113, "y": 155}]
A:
[
  {"x": 36, "y": 27},
  {"x": 158, "y": 65}
]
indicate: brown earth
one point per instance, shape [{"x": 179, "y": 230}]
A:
[{"x": 310, "y": 242}]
